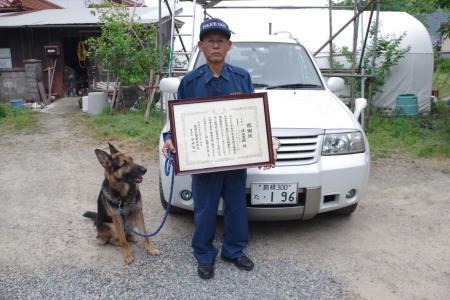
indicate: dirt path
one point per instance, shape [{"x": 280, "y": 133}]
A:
[{"x": 395, "y": 246}]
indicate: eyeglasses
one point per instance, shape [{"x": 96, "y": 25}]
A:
[{"x": 215, "y": 42}]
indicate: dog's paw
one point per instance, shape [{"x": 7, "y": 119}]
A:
[
  {"x": 152, "y": 250},
  {"x": 101, "y": 241},
  {"x": 128, "y": 258}
]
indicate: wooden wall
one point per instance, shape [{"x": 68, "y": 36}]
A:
[{"x": 28, "y": 43}]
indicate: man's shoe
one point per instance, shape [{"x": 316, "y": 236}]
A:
[
  {"x": 205, "y": 271},
  {"x": 243, "y": 262}
]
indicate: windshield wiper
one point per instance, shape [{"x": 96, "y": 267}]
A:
[
  {"x": 260, "y": 84},
  {"x": 293, "y": 86}
]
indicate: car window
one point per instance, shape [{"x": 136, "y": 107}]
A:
[{"x": 272, "y": 64}]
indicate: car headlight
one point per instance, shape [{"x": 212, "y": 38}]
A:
[{"x": 343, "y": 143}]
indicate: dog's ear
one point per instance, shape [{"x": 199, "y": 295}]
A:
[
  {"x": 112, "y": 149},
  {"x": 104, "y": 158}
]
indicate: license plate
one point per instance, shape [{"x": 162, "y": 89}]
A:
[{"x": 273, "y": 193}]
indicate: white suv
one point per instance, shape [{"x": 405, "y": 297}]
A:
[{"x": 323, "y": 162}]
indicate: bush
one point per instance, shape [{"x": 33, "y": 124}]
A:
[
  {"x": 2, "y": 112},
  {"x": 442, "y": 64},
  {"x": 17, "y": 119},
  {"x": 423, "y": 136}
]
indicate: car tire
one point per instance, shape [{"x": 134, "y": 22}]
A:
[
  {"x": 346, "y": 211},
  {"x": 164, "y": 203}
]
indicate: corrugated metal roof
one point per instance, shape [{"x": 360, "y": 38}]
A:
[
  {"x": 10, "y": 3},
  {"x": 27, "y": 4},
  {"x": 69, "y": 17},
  {"x": 130, "y": 2},
  {"x": 86, "y": 3},
  {"x": 39, "y": 4}
]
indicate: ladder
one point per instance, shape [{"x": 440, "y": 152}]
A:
[{"x": 179, "y": 59}]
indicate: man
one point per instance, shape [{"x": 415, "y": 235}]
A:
[{"x": 217, "y": 78}]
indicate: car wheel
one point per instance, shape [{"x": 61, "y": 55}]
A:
[
  {"x": 346, "y": 211},
  {"x": 164, "y": 203}
]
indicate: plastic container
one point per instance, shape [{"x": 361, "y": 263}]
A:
[
  {"x": 17, "y": 103},
  {"x": 96, "y": 103},
  {"x": 84, "y": 103},
  {"x": 407, "y": 105}
]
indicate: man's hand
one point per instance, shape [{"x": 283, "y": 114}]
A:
[
  {"x": 168, "y": 146},
  {"x": 270, "y": 166}
]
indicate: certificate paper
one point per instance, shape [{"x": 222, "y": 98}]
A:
[{"x": 221, "y": 133}]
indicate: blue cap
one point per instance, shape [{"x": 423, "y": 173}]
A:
[{"x": 214, "y": 24}]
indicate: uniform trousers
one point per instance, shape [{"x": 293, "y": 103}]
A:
[{"x": 207, "y": 189}]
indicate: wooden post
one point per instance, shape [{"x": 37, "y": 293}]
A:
[
  {"x": 47, "y": 101},
  {"x": 152, "y": 91},
  {"x": 107, "y": 85},
  {"x": 42, "y": 93},
  {"x": 113, "y": 100},
  {"x": 148, "y": 90},
  {"x": 50, "y": 76}
]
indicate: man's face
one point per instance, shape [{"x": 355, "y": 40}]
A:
[{"x": 215, "y": 47}]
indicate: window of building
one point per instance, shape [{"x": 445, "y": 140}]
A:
[{"x": 5, "y": 58}]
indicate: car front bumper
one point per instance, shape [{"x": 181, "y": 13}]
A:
[{"x": 322, "y": 187}]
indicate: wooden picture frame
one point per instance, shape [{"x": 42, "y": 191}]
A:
[{"x": 221, "y": 133}]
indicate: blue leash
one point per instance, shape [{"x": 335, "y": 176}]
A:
[{"x": 168, "y": 167}]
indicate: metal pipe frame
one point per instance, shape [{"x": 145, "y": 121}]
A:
[
  {"x": 363, "y": 50},
  {"x": 275, "y": 7},
  {"x": 213, "y": 4},
  {"x": 343, "y": 27},
  {"x": 330, "y": 23}
]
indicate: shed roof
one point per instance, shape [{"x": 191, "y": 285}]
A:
[
  {"x": 73, "y": 17},
  {"x": 86, "y": 3},
  {"x": 18, "y": 5}
]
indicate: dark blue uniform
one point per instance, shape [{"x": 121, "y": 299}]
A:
[{"x": 209, "y": 187}]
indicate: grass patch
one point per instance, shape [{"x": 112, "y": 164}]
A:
[
  {"x": 422, "y": 136},
  {"x": 120, "y": 126},
  {"x": 15, "y": 119},
  {"x": 441, "y": 83},
  {"x": 441, "y": 78}
]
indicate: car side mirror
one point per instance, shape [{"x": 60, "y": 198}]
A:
[
  {"x": 335, "y": 84},
  {"x": 360, "y": 104},
  {"x": 169, "y": 85}
]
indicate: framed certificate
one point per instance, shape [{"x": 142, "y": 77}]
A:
[{"x": 221, "y": 133}]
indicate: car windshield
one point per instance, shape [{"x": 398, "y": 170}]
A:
[{"x": 273, "y": 65}]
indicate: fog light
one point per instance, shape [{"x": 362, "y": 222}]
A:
[
  {"x": 186, "y": 195},
  {"x": 350, "y": 194}
]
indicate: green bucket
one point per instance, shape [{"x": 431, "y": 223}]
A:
[{"x": 407, "y": 105}]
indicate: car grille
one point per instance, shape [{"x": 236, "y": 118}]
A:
[{"x": 298, "y": 149}]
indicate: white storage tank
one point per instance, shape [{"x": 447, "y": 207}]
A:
[
  {"x": 96, "y": 102},
  {"x": 84, "y": 103}
]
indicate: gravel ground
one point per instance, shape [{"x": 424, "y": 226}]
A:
[
  {"x": 395, "y": 246},
  {"x": 171, "y": 276}
]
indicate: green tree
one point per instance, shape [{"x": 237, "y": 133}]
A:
[
  {"x": 388, "y": 54},
  {"x": 416, "y": 8},
  {"x": 125, "y": 47},
  {"x": 445, "y": 5}
]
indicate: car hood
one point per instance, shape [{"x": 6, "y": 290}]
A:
[{"x": 308, "y": 109}]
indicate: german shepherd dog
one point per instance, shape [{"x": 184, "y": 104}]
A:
[{"x": 119, "y": 202}]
